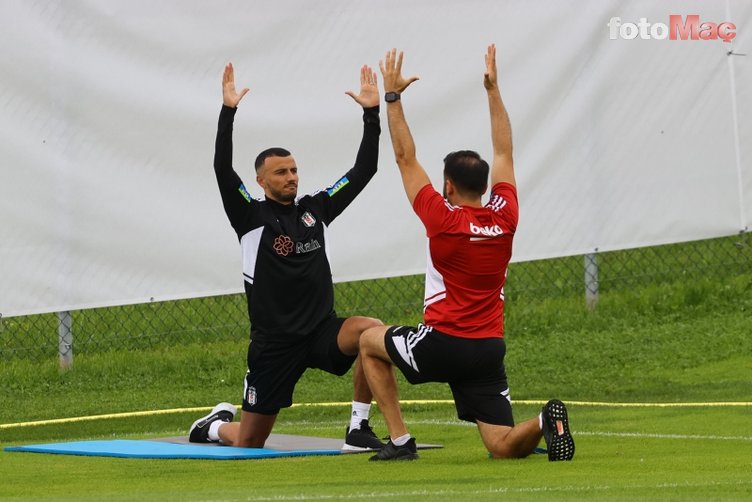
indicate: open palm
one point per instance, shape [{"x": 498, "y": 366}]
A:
[
  {"x": 230, "y": 96},
  {"x": 369, "y": 88}
]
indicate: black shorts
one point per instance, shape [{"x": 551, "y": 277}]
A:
[
  {"x": 473, "y": 368},
  {"x": 274, "y": 369}
]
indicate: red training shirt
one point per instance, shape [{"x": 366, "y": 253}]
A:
[{"x": 468, "y": 253}]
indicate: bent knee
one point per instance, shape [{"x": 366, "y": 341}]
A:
[
  {"x": 366, "y": 323},
  {"x": 500, "y": 453},
  {"x": 251, "y": 442},
  {"x": 372, "y": 341}
]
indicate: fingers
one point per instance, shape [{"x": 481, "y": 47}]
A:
[
  {"x": 228, "y": 78},
  {"x": 367, "y": 75},
  {"x": 390, "y": 58},
  {"x": 368, "y": 95},
  {"x": 388, "y": 65},
  {"x": 227, "y": 75},
  {"x": 391, "y": 70},
  {"x": 490, "y": 77},
  {"x": 491, "y": 57}
]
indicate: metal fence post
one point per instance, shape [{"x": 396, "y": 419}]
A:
[
  {"x": 65, "y": 339},
  {"x": 591, "y": 279}
]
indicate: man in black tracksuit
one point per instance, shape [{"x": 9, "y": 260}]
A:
[{"x": 288, "y": 280}]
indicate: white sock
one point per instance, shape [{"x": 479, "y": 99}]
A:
[
  {"x": 213, "y": 433},
  {"x": 359, "y": 412},
  {"x": 540, "y": 421},
  {"x": 401, "y": 440}
]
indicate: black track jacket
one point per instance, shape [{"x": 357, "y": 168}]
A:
[{"x": 287, "y": 277}]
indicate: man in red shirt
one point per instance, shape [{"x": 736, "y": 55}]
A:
[{"x": 461, "y": 340}]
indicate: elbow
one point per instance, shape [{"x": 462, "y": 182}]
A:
[{"x": 404, "y": 157}]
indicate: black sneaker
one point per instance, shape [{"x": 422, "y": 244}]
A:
[
  {"x": 407, "y": 451},
  {"x": 361, "y": 439},
  {"x": 199, "y": 432},
  {"x": 556, "y": 431}
]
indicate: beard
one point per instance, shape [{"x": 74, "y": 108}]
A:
[{"x": 286, "y": 196}]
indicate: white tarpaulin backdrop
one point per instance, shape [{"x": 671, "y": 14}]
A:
[{"x": 108, "y": 114}]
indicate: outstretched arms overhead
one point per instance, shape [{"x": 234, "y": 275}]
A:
[
  {"x": 414, "y": 177},
  {"x": 502, "y": 166}
]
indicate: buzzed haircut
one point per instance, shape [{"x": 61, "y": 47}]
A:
[
  {"x": 270, "y": 152},
  {"x": 467, "y": 171}
]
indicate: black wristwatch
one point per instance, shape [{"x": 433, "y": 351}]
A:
[{"x": 391, "y": 97}]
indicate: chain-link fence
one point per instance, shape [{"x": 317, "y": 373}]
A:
[{"x": 395, "y": 300}]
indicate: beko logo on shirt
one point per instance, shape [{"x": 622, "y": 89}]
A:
[{"x": 493, "y": 231}]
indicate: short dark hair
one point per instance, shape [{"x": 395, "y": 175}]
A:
[
  {"x": 270, "y": 152},
  {"x": 467, "y": 171}
]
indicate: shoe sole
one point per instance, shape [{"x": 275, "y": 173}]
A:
[
  {"x": 349, "y": 447},
  {"x": 411, "y": 456},
  {"x": 562, "y": 443}
]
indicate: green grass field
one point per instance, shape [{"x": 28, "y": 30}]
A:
[
  {"x": 685, "y": 341},
  {"x": 696, "y": 453}
]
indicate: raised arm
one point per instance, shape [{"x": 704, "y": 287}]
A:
[
  {"x": 502, "y": 167},
  {"x": 338, "y": 196},
  {"x": 234, "y": 195},
  {"x": 414, "y": 177}
]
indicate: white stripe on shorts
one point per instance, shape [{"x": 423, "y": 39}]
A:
[
  {"x": 507, "y": 395},
  {"x": 406, "y": 344}
]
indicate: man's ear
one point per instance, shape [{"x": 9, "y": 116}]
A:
[
  {"x": 260, "y": 181},
  {"x": 449, "y": 187}
]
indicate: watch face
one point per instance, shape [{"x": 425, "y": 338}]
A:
[{"x": 391, "y": 97}]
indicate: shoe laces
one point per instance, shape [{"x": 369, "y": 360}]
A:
[{"x": 366, "y": 428}]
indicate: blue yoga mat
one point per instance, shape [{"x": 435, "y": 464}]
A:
[{"x": 159, "y": 449}]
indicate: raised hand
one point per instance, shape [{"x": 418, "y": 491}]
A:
[
  {"x": 391, "y": 71},
  {"x": 369, "y": 88},
  {"x": 230, "y": 96},
  {"x": 489, "y": 78}
]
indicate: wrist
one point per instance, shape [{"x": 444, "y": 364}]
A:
[{"x": 391, "y": 96}]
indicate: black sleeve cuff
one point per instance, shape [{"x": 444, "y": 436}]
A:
[
  {"x": 371, "y": 115},
  {"x": 227, "y": 109}
]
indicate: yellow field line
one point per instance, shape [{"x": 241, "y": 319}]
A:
[{"x": 147, "y": 413}]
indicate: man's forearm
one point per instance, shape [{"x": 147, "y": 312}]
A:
[
  {"x": 223, "y": 142},
  {"x": 501, "y": 128},
  {"x": 413, "y": 175},
  {"x": 402, "y": 140},
  {"x": 368, "y": 153}
]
